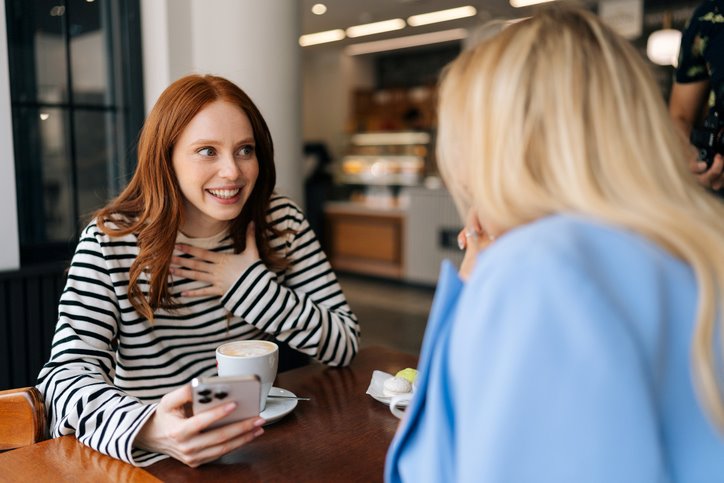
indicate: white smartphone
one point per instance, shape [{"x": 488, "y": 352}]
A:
[{"x": 213, "y": 391}]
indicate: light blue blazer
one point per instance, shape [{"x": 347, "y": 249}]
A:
[{"x": 564, "y": 358}]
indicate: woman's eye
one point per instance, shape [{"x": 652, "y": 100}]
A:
[
  {"x": 206, "y": 151},
  {"x": 247, "y": 150}
]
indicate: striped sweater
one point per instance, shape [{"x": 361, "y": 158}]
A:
[{"x": 109, "y": 366}]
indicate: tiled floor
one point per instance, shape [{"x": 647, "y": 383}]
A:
[{"x": 390, "y": 314}]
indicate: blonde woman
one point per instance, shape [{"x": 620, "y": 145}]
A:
[{"x": 586, "y": 343}]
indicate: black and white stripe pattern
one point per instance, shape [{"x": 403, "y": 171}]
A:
[{"x": 109, "y": 366}]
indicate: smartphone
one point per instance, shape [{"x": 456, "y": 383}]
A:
[{"x": 213, "y": 391}]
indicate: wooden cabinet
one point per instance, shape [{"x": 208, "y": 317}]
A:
[{"x": 365, "y": 240}]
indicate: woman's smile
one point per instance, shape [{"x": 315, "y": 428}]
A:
[{"x": 225, "y": 195}]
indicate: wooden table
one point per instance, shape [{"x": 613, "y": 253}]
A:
[{"x": 342, "y": 434}]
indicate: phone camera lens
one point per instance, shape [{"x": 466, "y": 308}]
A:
[
  {"x": 205, "y": 400},
  {"x": 205, "y": 392},
  {"x": 221, "y": 395}
]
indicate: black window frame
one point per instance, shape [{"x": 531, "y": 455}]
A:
[{"x": 126, "y": 65}]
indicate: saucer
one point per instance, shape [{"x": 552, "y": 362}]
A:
[
  {"x": 278, "y": 408},
  {"x": 376, "y": 388}
]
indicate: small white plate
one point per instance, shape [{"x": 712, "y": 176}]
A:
[
  {"x": 376, "y": 388},
  {"x": 278, "y": 408}
]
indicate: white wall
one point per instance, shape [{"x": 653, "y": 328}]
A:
[
  {"x": 252, "y": 43},
  {"x": 154, "y": 44},
  {"x": 166, "y": 43},
  {"x": 9, "y": 246},
  {"x": 329, "y": 77}
]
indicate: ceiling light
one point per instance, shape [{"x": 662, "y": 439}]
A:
[
  {"x": 662, "y": 48},
  {"x": 390, "y": 138},
  {"x": 44, "y": 116},
  {"x": 526, "y": 3},
  {"x": 319, "y": 9},
  {"x": 376, "y": 27},
  {"x": 321, "y": 37},
  {"x": 405, "y": 42},
  {"x": 442, "y": 15}
]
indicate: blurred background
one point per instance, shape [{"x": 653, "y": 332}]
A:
[{"x": 348, "y": 89}]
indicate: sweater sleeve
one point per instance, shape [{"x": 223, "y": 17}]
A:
[
  {"x": 307, "y": 310},
  {"x": 77, "y": 381}
]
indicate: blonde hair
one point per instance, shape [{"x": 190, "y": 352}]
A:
[{"x": 559, "y": 114}]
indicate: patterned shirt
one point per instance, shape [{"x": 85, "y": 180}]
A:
[
  {"x": 109, "y": 366},
  {"x": 702, "y": 48}
]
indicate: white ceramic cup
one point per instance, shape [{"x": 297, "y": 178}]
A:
[
  {"x": 244, "y": 357},
  {"x": 399, "y": 403}
]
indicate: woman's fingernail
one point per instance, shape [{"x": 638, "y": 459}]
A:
[
  {"x": 461, "y": 244},
  {"x": 258, "y": 432},
  {"x": 259, "y": 422},
  {"x": 230, "y": 407}
]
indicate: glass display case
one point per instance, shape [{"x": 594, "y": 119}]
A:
[
  {"x": 389, "y": 154},
  {"x": 378, "y": 164}
]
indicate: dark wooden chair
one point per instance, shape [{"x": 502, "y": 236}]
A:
[{"x": 22, "y": 418}]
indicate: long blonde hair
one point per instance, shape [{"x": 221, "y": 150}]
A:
[{"x": 559, "y": 114}]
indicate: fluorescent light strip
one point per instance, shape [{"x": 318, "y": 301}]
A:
[
  {"x": 405, "y": 42},
  {"x": 526, "y": 3},
  {"x": 321, "y": 37},
  {"x": 442, "y": 16},
  {"x": 390, "y": 138},
  {"x": 376, "y": 27}
]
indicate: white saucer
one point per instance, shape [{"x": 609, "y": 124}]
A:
[
  {"x": 376, "y": 388},
  {"x": 278, "y": 408}
]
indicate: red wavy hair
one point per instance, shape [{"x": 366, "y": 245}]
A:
[{"x": 151, "y": 205}]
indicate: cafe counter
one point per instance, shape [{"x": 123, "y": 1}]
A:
[{"x": 406, "y": 241}]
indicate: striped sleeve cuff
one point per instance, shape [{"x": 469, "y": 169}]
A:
[
  {"x": 136, "y": 456},
  {"x": 127, "y": 423}
]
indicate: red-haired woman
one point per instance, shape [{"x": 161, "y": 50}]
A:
[{"x": 196, "y": 251}]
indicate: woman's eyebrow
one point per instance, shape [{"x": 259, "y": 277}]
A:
[
  {"x": 196, "y": 142},
  {"x": 204, "y": 141}
]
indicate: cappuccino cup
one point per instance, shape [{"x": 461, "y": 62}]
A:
[{"x": 245, "y": 357}]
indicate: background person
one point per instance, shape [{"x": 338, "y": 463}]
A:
[
  {"x": 318, "y": 184},
  {"x": 195, "y": 252},
  {"x": 699, "y": 83},
  {"x": 585, "y": 344}
]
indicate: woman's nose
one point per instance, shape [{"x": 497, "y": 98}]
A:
[{"x": 229, "y": 169}]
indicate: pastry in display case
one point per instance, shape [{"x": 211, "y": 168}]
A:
[{"x": 386, "y": 158}]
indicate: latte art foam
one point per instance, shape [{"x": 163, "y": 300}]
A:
[{"x": 246, "y": 349}]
